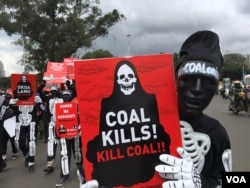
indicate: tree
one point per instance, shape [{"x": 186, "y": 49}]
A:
[
  {"x": 233, "y": 66},
  {"x": 51, "y": 30},
  {"x": 97, "y": 54},
  {"x": 5, "y": 83}
]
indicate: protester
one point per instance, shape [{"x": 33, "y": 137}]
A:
[
  {"x": 50, "y": 101},
  {"x": 69, "y": 146},
  {"x": 71, "y": 87},
  {"x": 45, "y": 95},
  {"x": 206, "y": 151},
  {"x": 26, "y": 129},
  {"x": 2, "y": 132},
  {"x": 5, "y": 136}
]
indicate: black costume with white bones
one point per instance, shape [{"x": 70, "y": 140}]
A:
[
  {"x": 206, "y": 151},
  {"x": 70, "y": 145},
  {"x": 26, "y": 129}
]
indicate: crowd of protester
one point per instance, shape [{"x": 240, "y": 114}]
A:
[
  {"x": 35, "y": 122},
  {"x": 206, "y": 150}
]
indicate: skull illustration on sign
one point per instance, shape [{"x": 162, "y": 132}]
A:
[{"x": 126, "y": 79}]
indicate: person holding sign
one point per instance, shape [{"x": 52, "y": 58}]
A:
[
  {"x": 26, "y": 129},
  {"x": 69, "y": 144},
  {"x": 51, "y": 101},
  {"x": 206, "y": 151}
]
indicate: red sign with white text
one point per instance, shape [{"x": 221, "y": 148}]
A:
[
  {"x": 66, "y": 119},
  {"x": 69, "y": 62},
  {"x": 128, "y": 116},
  {"x": 56, "y": 67},
  {"x": 24, "y": 88}
]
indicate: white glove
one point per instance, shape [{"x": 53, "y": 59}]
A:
[
  {"x": 180, "y": 172},
  {"x": 38, "y": 99},
  {"x": 13, "y": 101},
  {"x": 90, "y": 184}
]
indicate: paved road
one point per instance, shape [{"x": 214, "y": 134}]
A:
[
  {"x": 238, "y": 127},
  {"x": 18, "y": 176}
]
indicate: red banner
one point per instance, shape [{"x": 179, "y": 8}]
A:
[
  {"x": 129, "y": 116},
  {"x": 24, "y": 88},
  {"x": 66, "y": 119},
  {"x": 56, "y": 67},
  {"x": 69, "y": 63}
]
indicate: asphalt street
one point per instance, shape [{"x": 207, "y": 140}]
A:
[{"x": 16, "y": 175}]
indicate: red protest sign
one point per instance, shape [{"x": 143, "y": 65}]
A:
[
  {"x": 56, "y": 67},
  {"x": 24, "y": 88},
  {"x": 128, "y": 116},
  {"x": 69, "y": 63},
  {"x": 66, "y": 119}
]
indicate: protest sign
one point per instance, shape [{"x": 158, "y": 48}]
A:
[
  {"x": 128, "y": 116},
  {"x": 10, "y": 126},
  {"x": 24, "y": 88},
  {"x": 66, "y": 119}
]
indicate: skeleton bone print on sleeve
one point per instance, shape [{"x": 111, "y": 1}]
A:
[
  {"x": 51, "y": 136},
  {"x": 195, "y": 143},
  {"x": 52, "y": 103}
]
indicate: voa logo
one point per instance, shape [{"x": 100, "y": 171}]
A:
[{"x": 236, "y": 179}]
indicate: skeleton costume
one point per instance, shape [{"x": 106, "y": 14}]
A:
[
  {"x": 206, "y": 151},
  {"x": 52, "y": 99},
  {"x": 49, "y": 101},
  {"x": 68, "y": 147},
  {"x": 26, "y": 130}
]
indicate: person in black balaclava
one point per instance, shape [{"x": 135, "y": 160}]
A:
[
  {"x": 70, "y": 145},
  {"x": 49, "y": 112},
  {"x": 206, "y": 151}
]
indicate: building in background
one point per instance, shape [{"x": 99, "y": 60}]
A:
[{"x": 2, "y": 72}]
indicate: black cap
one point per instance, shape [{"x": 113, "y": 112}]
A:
[{"x": 203, "y": 46}]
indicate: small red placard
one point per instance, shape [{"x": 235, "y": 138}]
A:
[
  {"x": 66, "y": 119},
  {"x": 24, "y": 88}
]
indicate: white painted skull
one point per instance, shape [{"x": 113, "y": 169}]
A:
[{"x": 126, "y": 79}]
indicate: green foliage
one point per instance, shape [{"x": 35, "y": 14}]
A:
[
  {"x": 233, "y": 66},
  {"x": 97, "y": 54},
  {"x": 5, "y": 83},
  {"x": 51, "y": 30},
  {"x": 175, "y": 57}
]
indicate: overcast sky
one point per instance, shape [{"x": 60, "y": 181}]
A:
[{"x": 160, "y": 26}]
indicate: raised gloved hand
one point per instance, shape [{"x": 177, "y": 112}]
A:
[
  {"x": 90, "y": 184},
  {"x": 38, "y": 99},
  {"x": 179, "y": 172},
  {"x": 13, "y": 101}
]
